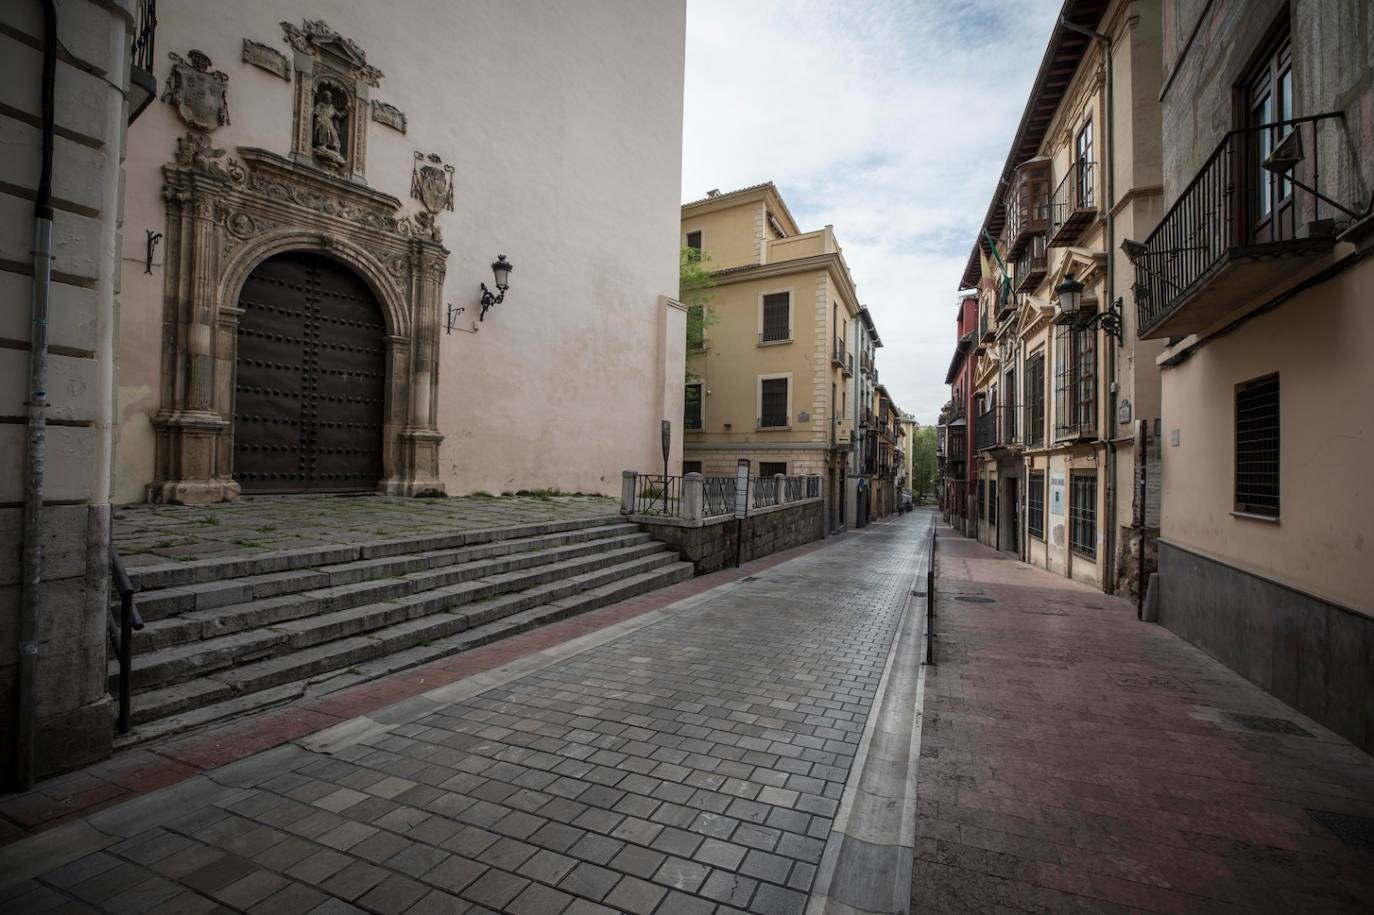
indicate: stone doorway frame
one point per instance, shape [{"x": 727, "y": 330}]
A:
[{"x": 223, "y": 219}]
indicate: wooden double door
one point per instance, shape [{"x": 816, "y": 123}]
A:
[{"x": 310, "y": 379}]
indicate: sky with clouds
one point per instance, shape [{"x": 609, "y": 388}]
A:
[{"x": 888, "y": 119}]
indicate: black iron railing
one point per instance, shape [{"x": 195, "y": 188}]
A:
[
  {"x": 718, "y": 496},
  {"x": 145, "y": 30},
  {"x": 985, "y": 430},
  {"x": 813, "y": 487},
  {"x": 658, "y": 495},
  {"x": 1231, "y": 202},
  {"x": 795, "y": 487},
  {"x": 122, "y": 634},
  {"x": 763, "y": 492},
  {"x": 1073, "y": 203}
]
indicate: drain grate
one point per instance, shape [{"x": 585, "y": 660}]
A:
[
  {"x": 918, "y": 593},
  {"x": 1269, "y": 725},
  {"x": 975, "y": 599},
  {"x": 1355, "y": 831}
]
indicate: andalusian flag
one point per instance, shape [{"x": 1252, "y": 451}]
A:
[{"x": 1006, "y": 274}]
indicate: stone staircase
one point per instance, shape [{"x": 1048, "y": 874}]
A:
[{"x": 228, "y": 636}]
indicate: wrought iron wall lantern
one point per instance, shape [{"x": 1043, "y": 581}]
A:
[
  {"x": 1070, "y": 293},
  {"x": 500, "y": 270}
]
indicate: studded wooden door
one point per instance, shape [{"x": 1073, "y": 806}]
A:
[{"x": 310, "y": 382}]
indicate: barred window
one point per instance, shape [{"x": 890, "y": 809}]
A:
[
  {"x": 1035, "y": 504},
  {"x": 772, "y": 468},
  {"x": 694, "y": 240},
  {"x": 992, "y": 501},
  {"x": 691, "y": 414},
  {"x": 1083, "y": 512},
  {"x": 691, "y": 467},
  {"x": 1075, "y": 387},
  {"x": 982, "y": 498},
  {"x": 773, "y": 402},
  {"x": 777, "y": 317},
  {"x": 1257, "y": 446},
  {"x": 1035, "y": 398}
]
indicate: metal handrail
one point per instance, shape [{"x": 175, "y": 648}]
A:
[
  {"x": 122, "y": 634},
  {"x": 141, "y": 55}
]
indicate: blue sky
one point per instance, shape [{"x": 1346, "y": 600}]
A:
[{"x": 889, "y": 121}]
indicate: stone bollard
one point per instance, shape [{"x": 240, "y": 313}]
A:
[
  {"x": 780, "y": 481},
  {"x": 627, "y": 492},
  {"x": 693, "y": 497}
]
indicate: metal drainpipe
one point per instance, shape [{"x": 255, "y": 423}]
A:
[
  {"x": 32, "y": 559},
  {"x": 1108, "y": 578}
]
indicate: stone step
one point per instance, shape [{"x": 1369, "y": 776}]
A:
[
  {"x": 173, "y": 574},
  {"x": 198, "y": 625},
  {"x": 340, "y": 664},
  {"x": 338, "y": 613},
  {"x": 160, "y": 603}
]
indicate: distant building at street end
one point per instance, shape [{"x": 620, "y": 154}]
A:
[{"x": 1255, "y": 289}]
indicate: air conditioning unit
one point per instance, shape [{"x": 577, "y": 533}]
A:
[{"x": 844, "y": 431}]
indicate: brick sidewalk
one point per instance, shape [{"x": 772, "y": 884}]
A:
[{"x": 1077, "y": 760}]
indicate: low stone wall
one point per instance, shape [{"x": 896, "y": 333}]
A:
[{"x": 711, "y": 543}]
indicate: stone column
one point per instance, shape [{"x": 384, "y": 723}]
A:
[
  {"x": 780, "y": 484},
  {"x": 627, "y": 492},
  {"x": 693, "y": 497}
]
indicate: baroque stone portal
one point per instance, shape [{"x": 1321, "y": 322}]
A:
[{"x": 224, "y": 218}]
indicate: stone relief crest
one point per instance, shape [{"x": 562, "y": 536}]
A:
[
  {"x": 266, "y": 58},
  {"x": 199, "y": 93},
  {"x": 316, "y": 36},
  {"x": 431, "y": 182}
]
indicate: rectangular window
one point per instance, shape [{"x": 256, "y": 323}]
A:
[
  {"x": 1083, "y": 179},
  {"x": 1035, "y": 398},
  {"x": 772, "y": 403},
  {"x": 1083, "y": 512},
  {"x": 691, "y": 413},
  {"x": 982, "y": 498},
  {"x": 691, "y": 467},
  {"x": 772, "y": 468},
  {"x": 777, "y": 317},
  {"x": 1257, "y": 446},
  {"x": 992, "y": 501},
  {"x": 694, "y": 240},
  {"x": 1075, "y": 388},
  {"x": 1035, "y": 504}
]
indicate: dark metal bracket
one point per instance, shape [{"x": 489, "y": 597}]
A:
[{"x": 153, "y": 239}]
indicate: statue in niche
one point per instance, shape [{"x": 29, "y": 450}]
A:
[{"x": 330, "y": 116}]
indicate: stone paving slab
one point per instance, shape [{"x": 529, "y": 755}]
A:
[
  {"x": 691, "y": 765},
  {"x": 153, "y": 534},
  {"x": 1077, "y": 760}
]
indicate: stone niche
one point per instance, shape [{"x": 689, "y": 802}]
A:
[{"x": 225, "y": 216}]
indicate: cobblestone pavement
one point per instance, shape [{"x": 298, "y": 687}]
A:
[
  {"x": 148, "y": 534},
  {"x": 690, "y": 765},
  {"x": 1077, "y": 760}
]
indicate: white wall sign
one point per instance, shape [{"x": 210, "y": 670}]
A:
[{"x": 1056, "y": 493}]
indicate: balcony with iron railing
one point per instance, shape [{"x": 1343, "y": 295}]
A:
[
  {"x": 1031, "y": 266},
  {"x": 1027, "y": 204},
  {"x": 998, "y": 428},
  {"x": 142, "y": 82},
  {"x": 1253, "y": 222},
  {"x": 1073, "y": 207}
]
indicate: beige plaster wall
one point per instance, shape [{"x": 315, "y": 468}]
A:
[
  {"x": 731, "y": 236},
  {"x": 564, "y": 384},
  {"x": 1323, "y": 542}
]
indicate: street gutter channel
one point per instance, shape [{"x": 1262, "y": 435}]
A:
[{"x": 867, "y": 863}]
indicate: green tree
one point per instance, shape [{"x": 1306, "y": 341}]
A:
[
  {"x": 694, "y": 291},
  {"x": 923, "y": 462}
]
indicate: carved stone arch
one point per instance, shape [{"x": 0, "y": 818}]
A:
[
  {"x": 350, "y": 255},
  {"x": 223, "y": 219}
]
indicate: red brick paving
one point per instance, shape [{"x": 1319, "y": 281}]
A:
[
  {"x": 1073, "y": 760},
  {"x": 148, "y": 768}
]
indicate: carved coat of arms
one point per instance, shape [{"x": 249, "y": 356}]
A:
[
  {"x": 199, "y": 93},
  {"x": 432, "y": 182}
]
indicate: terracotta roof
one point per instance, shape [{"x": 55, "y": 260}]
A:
[
  {"x": 743, "y": 190},
  {"x": 1063, "y": 54}
]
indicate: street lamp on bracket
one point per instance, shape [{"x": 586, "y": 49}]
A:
[
  {"x": 500, "y": 271},
  {"x": 1070, "y": 293}
]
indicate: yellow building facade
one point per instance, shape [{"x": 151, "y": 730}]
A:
[{"x": 770, "y": 380}]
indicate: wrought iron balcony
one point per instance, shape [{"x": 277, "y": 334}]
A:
[
  {"x": 1250, "y": 224},
  {"x": 1074, "y": 204},
  {"x": 996, "y": 429},
  {"x": 1028, "y": 204},
  {"x": 142, "y": 82}
]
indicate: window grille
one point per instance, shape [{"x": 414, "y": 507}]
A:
[
  {"x": 1075, "y": 388},
  {"x": 1035, "y": 399},
  {"x": 777, "y": 317},
  {"x": 992, "y": 501},
  {"x": 1257, "y": 446},
  {"x": 1083, "y": 512},
  {"x": 773, "y": 400},
  {"x": 770, "y": 469},
  {"x": 694, "y": 240},
  {"x": 982, "y": 499},
  {"x": 691, "y": 418},
  {"x": 691, "y": 467},
  {"x": 1035, "y": 504}
]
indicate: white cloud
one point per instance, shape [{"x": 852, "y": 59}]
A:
[{"x": 888, "y": 120}]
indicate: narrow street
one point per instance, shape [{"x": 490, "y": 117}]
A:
[
  {"x": 1074, "y": 759},
  {"x": 680, "y": 760}
]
